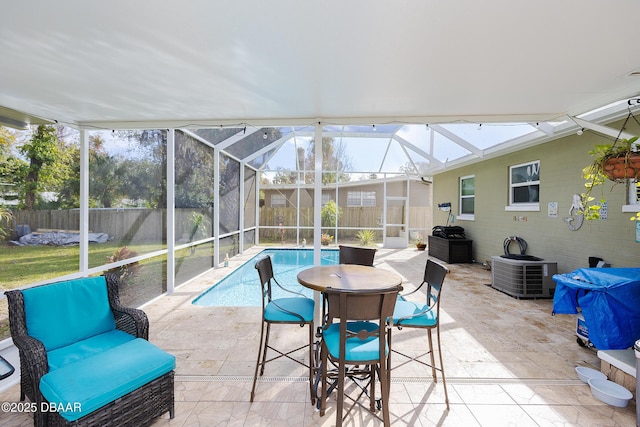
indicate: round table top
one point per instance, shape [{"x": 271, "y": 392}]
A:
[{"x": 349, "y": 277}]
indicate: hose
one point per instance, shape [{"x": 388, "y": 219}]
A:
[{"x": 521, "y": 243}]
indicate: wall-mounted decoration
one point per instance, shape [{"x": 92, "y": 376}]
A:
[
  {"x": 445, "y": 207},
  {"x": 576, "y": 215},
  {"x": 604, "y": 210}
]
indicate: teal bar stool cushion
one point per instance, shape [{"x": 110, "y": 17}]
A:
[
  {"x": 406, "y": 308},
  {"x": 356, "y": 348},
  {"x": 274, "y": 311}
]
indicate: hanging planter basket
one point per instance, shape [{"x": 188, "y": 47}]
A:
[
  {"x": 618, "y": 162},
  {"x": 622, "y": 168}
]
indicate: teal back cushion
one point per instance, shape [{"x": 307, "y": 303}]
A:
[{"x": 67, "y": 312}]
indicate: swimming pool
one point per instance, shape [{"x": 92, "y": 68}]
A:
[{"x": 242, "y": 286}]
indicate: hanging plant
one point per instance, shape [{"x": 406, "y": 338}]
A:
[{"x": 618, "y": 162}]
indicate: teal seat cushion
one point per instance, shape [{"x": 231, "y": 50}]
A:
[
  {"x": 88, "y": 384},
  {"x": 86, "y": 348},
  {"x": 67, "y": 312},
  {"x": 356, "y": 349},
  {"x": 408, "y": 308},
  {"x": 273, "y": 312}
]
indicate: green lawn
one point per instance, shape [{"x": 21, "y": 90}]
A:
[{"x": 23, "y": 265}]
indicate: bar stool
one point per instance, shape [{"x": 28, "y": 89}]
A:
[
  {"x": 288, "y": 311},
  {"x": 409, "y": 314},
  {"x": 362, "y": 336}
]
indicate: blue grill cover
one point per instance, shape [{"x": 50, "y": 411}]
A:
[{"x": 610, "y": 302}]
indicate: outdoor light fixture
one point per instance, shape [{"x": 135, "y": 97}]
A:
[
  {"x": 264, "y": 136},
  {"x": 580, "y": 132},
  {"x": 374, "y": 128},
  {"x": 480, "y": 126}
]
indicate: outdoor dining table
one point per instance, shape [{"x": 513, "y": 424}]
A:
[{"x": 349, "y": 277}]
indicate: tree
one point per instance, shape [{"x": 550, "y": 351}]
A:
[
  {"x": 335, "y": 162},
  {"x": 330, "y": 214},
  {"x": 7, "y": 140},
  {"x": 153, "y": 143},
  {"x": 69, "y": 175},
  {"x": 410, "y": 169},
  {"x": 193, "y": 173},
  {"x": 11, "y": 167},
  {"x": 284, "y": 176},
  {"x": 41, "y": 151}
]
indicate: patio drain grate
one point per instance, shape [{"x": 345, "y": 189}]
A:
[{"x": 397, "y": 380}]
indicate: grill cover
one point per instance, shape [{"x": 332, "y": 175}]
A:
[{"x": 610, "y": 302}]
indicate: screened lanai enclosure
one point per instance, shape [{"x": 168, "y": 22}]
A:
[
  {"x": 159, "y": 207},
  {"x": 163, "y": 206}
]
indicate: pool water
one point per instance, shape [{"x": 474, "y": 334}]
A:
[{"x": 242, "y": 286}]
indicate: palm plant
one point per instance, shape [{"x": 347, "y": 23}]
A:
[
  {"x": 5, "y": 222},
  {"x": 366, "y": 237}
]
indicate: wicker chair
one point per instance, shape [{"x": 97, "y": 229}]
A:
[{"x": 136, "y": 408}]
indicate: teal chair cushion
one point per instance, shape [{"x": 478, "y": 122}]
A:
[
  {"x": 86, "y": 348},
  {"x": 356, "y": 349},
  {"x": 303, "y": 306},
  {"x": 407, "y": 308},
  {"x": 64, "y": 313},
  {"x": 82, "y": 387}
]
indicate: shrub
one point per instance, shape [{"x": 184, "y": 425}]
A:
[
  {"x": 124, "y": 272},
  {"x": 5, "y": 222},
  {"x": 366, "y": 237},
  {"x": 330, "y": 213},
  {"x": 325, "y": 239}
]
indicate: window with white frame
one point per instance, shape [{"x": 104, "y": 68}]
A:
[
  {"x": 326, "y": 197},
  {"x": 634, "y": 193},
  {"x": 467, "y": 197},
  {"x": 278, "y": 201},
  {"x": 524, "y": 186},
  {"x": 634, "y": 198},
  {"x": 361, "y": 198}
]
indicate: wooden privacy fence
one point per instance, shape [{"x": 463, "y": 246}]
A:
[
  {"x": 138, "y": 224},
  {"x": 351, "y": 217},
  {"x": 122, "y": 224},
  {"x": 147, "y": 225}
]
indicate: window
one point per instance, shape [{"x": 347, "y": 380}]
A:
[
  {"x": 361, "y": 198},
  {"x": 634, "y": 198},
  {"x": 634, "y": 193},
  {"x": 524, "y": 185},
  {"x": 326, "y": 197},
  {"x": 467, "y": 197},
  {"x": 278, "y": 201}
]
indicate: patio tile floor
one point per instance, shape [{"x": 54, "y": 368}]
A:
[{"x": 508, "y": 362}]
